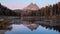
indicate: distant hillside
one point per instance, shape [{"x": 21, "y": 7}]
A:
[
  {"x": 4, "y": 11},
  {"x": 18, "y": 10}
]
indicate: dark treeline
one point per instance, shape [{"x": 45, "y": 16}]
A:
[
  {"x": 51, "y": 10},
  {"x": 4, "y": 11}
]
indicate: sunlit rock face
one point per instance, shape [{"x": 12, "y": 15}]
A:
[{"x": 31, "y": 7}]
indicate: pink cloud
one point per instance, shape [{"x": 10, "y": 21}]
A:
[{"x": 15, "y": 6}]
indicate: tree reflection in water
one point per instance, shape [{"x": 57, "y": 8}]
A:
[
  {"x": 4, "y": 27},
  {"x": 33, "y": 25},
  {"x": 48, "y": 24}
]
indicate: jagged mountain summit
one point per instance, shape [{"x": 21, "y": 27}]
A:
[{"x": 31, "y": 7}]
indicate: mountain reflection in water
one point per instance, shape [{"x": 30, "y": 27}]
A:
[{"x": 18, "y": 26}]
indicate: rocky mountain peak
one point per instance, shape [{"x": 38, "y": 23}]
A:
[{"x": 31, "y": 7}]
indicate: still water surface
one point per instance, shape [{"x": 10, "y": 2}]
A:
[
  {"x": 32, "y": 27},
  {"x": 21, "y": 29}
]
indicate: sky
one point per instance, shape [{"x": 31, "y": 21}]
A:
[{"x": 20, "y": 4}]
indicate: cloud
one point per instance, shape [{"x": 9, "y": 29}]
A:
[{"x": 15, "y": 6}]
